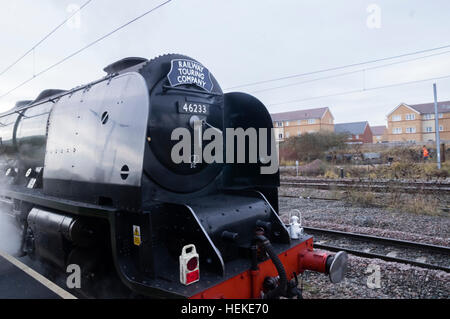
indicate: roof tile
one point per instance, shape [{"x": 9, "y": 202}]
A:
[
  {"x": 352, "y": 128},
  {"x": 378, "y": 130},
  {"x": 299, "y": 115},
  {"x": 426, "y": 108}
]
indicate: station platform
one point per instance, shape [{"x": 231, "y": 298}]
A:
[{"x": 18, "y": 281}]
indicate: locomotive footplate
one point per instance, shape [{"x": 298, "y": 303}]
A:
[{"x": 37, "y": 197}]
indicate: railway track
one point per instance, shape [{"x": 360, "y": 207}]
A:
[
  {"x": 364, "y": 180},
  {"x": 444, "y": 207},
  {"x": 388, "y": 249},
  {"x": 310, "y": 197},
  {"x": 369, "y": 185}
]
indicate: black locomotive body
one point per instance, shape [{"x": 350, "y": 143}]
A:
[{"x": 89, "y": 180}]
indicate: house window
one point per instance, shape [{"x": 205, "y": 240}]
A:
[
  {"x": 397, "y": 130},
  {"x": 279, "y": 124},
  {"x": 396, "y": 118},
  {"x": 428, "y": 116},
  {"x": 280, "y": 136},
  {"x": 287, "y": 134},
  {"x": 441, "y": 128},
  {"x": 356, "y": 136},
  {"x": 299, "y": 133},
  {"x": 410, "y": 130},
  {"x": 299, "y": 122},
  {"x": 440, "y": 115},
  {"x": 410, "y": 117},
  {"x": 311, "y": 121},
  {"x": 429, "y": 129}
]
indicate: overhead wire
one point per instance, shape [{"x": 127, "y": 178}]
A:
[
  {"x": 337, "y": 67},
  {"x": 362, "y": 90},
  {"x": 44, "y": 38},
  {"x": 84, "y": 48},
  {"x": 347, "y": 73}
]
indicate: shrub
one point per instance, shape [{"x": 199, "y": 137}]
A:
[
  {"x": 310, "y": 146},
  {"x": 316, "y": 167}
]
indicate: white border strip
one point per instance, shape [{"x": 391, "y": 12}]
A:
[{"x": 47, "y": 283}]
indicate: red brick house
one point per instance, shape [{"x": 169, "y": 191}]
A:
[
  {"x": 379, "y": 134},
  {"x": 358, "y": 132}
]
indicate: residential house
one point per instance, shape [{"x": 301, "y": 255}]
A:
[
  {"x": 358, "y": 132},
  {"x": 379, "y": 134},
  {"x": 295, "y": 123},
  {"x": 416, "y": 123}
]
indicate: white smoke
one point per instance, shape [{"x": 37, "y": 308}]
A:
[{"x": 10, "y": 234}]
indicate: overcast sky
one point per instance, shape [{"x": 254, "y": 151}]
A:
[{"x": 241, "y": 42}]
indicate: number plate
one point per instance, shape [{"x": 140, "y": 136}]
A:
[{"x": 193, "y": 108}]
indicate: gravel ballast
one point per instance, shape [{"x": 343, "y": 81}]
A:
[
  {"x": 343, "y": 216},
  {"x": 396, "y": 280}
]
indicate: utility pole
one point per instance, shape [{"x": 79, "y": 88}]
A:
[{"x": 436, "y": 121}]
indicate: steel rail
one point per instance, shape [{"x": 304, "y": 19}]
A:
[
  {"x": 369, "y": 187},
  {"x": 382, "y": 257},
  {"x": 365, "y": 181},
  {"x": 309, "y": 197},
  {"x": 386, "y": 241}
]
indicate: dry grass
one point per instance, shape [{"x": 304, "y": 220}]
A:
[
  {"x": 396, "y": 201},
  {"x": 422, "y": 206},
  {"x": 398, "y": 170},
  {"x": 407, "y": 164},
  {"x": 330, "y": 174},
  {"x": 414, "y": 171},
  {"x": 415, "y": 204},
  {"x": 365, "y": 199}
]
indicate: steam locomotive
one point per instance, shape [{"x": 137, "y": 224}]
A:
[{"x": 88, "y": 178}]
